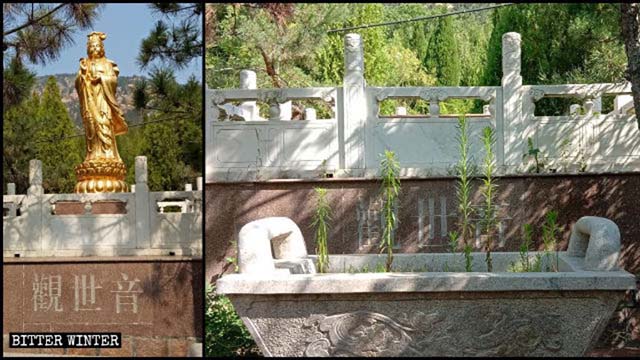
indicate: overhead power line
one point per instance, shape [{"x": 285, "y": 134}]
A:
[
  {"x": 172, "y": 118},
  {"x": 420, "y": 18}
]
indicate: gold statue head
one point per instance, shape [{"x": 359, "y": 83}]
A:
[{"x": 95, "y": 47}]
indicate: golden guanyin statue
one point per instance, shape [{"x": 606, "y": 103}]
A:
[{"x": 102, "y": 169}]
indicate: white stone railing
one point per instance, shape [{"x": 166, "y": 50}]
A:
[
  {"x": 602, "y": 141},
  {"x": 256, "y": 148},
  {"x": 32, "y": 226},
  {"x": 235, "y": 148}
]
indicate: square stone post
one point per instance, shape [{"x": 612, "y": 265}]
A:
[
  {"x": 11, "y": 190},
  {"x": 143, "y": 208},
  {"x": 212, "y": 113},
  {"x": 515, "y": 133},
  {"x": 354, "y": 105},
  {"x": 35, "y": 178}
]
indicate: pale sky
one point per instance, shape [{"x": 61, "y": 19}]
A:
[{"x": 125, "y": 25}]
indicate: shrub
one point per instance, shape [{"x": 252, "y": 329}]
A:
[{"x": 225, "y": 334}]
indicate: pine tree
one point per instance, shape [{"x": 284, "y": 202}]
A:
[
  {"x": 178, "y": 42},
  {"x": 37, "y": 33}
]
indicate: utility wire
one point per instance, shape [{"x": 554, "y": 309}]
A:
[
  {"x": 130, "y": 126},
  {"x": 420, "y": 18}
]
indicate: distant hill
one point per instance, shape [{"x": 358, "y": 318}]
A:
[{"x": 66, "y": 82}]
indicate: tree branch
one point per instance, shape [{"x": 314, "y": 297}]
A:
[{"x": 33, "y": 21}]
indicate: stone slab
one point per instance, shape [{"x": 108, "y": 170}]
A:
[{"x": 135, "y": 298}]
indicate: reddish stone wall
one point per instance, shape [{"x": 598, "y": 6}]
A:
[
  {"x": 529, "y": 197},
  {"x": 155, "y": 302}
]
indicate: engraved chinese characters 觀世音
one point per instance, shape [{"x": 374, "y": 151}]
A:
[{"x": 102, "y": 169}]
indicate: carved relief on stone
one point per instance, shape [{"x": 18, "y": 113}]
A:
[
  {"x": 484, "y": 331},
  {"x": 361, "y": 333},
  {"x": 535, "y": 95},
  {"x": 218, "y": 98}
]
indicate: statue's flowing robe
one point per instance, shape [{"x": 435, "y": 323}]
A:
[{"x": 102, "y": 117}]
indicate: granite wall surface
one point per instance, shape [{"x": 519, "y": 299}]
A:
[
  {"x": 155, "y": 302},
  {"x": 356, "y": 227}
]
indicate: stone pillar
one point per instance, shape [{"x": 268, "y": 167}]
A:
[
  {"x": 133, "y": 188},
  {"x": 188, "y": 187},
  {"x": 515, "y": 131},
  {"x": 310, "y": 114},
  {"x": 199, "y": 183},
  {"x": 143, "y": 210},
  {"x": 401, "y": 110},
  {"x": 249, "y": 109},
  {"x": 35, "y": 178},
  {"x": 354, "y": 105}
]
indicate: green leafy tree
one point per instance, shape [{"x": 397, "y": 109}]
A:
[
  {"x": 444, "y": 57},
  {"x": 172, "y": 136},
  {"x": 17, "y": 83},
  {"x": 55, "y": 144},
  {"x": 18, "y": 130},
  {"x": 561, "y": 43}
]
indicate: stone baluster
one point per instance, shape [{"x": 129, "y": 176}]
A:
[
  {"x": 574, "y": 109},
  {"x": 249, "y": 109},
  {"x": 310, "y": 114},
  {"x": 597, "y": 105},
  {"x": 285, "y": 111},
  {"x": 588, "y": 106}
]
